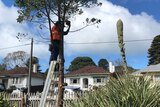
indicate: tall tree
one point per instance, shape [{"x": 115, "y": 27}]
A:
[
  {"x": 43, "y": 10},
  {"x": 154, "y": 51},
  {"x": 103, "y": 63},
  {"x": 15, "y": 59},
  {"x": 80, "y": 62},
  {"x": 121, "y": 43}
]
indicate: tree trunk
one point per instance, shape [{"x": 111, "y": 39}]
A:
[
  {"x": 61, "y": 76},
  {"x": 61, "y": 63}
]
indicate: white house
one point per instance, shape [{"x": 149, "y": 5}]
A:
[
  {"x": 152, "y": 72},
  {"x": 87, "y": 77},
  {"x": 19, "y": 77}
]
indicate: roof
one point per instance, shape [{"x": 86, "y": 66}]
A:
[
  {"x": 88, "y": 70},
  {"x": 150, "y": 69},
  {"x": 20, "y": 71}
]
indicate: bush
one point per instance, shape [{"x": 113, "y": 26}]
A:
[
  {"x": 123, "y": 92},
  {"x": 3, "y": 103}
]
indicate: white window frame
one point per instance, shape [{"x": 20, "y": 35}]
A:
[
  {"x": 98, "y": 80},
  {"x": 74, "y": 79}
]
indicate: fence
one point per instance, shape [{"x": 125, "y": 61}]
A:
[{"x": 33, "y": 100}]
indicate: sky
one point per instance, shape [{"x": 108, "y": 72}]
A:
[{"x": 140, "y": 18}]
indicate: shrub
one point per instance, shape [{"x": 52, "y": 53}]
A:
[
  {"x": 3, "y": 103},
  {"x": 123, "y": 92}
]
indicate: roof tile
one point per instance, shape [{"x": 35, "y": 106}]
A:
[{"x": 88, "y": 70}]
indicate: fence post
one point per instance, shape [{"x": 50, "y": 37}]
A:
[
  {"x": 23, "y": 101},
  {"x": 27, "y": 100}
]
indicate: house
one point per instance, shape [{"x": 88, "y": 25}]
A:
[
  {"x": 18, "y": 77},
  {"x": 152, "y": 71},
  {"x": 87, "y": 77}
]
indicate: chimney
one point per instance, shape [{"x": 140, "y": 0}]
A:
[
  {"x": 111, "y": 67},
  {"x": 35, "y": 68}
]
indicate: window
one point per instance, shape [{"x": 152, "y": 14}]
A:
[
  {"x": 15, "y": 80},
  {"x": 20, "y": 80},
  {"x": 74, "y": 80},
  {"x": 98, "y": 79}
]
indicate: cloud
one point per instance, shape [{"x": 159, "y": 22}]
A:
[
  {"x": 9, "y": 29},
  {"x": 136, "y": 27}
]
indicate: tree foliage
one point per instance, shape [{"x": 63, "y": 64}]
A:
[
  {"x": 2, "y": 67},
  {"x": 103, "y": 63},
  {"x": 35, "y": 60},
  {"x": 15, "y": 59},
  {"x": 154, "y": 51},
  {"x": 43, "y": 11},
  {"x": 80, "y": 62},
  {"x": 3, "y": 103},
  {"x": 120, "y": 69}
]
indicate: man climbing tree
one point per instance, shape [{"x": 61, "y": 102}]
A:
[
  {"x": 43, "y": 11},
  {"x": 55, "y": 39}
]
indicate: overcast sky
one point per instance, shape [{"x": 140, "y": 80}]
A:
[{"x": 96, "y": 42}]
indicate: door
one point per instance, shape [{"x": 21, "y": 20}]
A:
[{"x": 85, "y": 83}]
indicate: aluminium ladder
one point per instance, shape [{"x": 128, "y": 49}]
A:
[{"x": 50, "y": 76}]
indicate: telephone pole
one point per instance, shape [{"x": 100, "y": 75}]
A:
[{"x": 30, "y": 67}]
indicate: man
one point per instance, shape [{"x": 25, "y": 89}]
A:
[{"x": 55, "y": 39}]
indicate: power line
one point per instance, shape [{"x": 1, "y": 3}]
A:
[
  {"x": 14, "y": 46},
  {"x": 140, "y": 40}
]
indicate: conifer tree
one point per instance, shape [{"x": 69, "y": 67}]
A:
[{"x": 154, "y": 51}]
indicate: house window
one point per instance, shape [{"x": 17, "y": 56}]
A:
[
  {"x": 98, "y": 79},
  {"x": 74, "y": 81},
  {"x": 20, "y": 80},
  {"x": 15, "y": 80}
]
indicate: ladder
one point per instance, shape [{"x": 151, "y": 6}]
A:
[{"x": 51, "y": 76}]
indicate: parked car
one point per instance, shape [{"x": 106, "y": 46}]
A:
[
  {"x": 68, "y": 89},
  {"x": 70, "y": 92},
  {"x": 18, "y": 91}
]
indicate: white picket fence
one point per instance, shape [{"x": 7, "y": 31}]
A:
[{"x": 33, "y": 99}]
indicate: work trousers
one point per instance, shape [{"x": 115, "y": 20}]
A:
[{"x": 55, "y": 50}]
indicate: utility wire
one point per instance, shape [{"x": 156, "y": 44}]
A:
[
  {"x": 14, "y": 46},
  {"x": 140, "y": 40},
  {"x": 110, "y": 42}
]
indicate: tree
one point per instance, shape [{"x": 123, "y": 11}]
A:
[
  {"x": 103, "y": 63},
  {"x": 121, "y": 43},
  {"x": 35, "y": 60},
  {"x": 43, "y": 11},
  {"x": 119, "y": 67},
  {"x": 154, "y": 51},
  {"x": 80, "y": 62},
  {"x": 2, "y": 67},
  {"x": 15, "y": 59}
]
